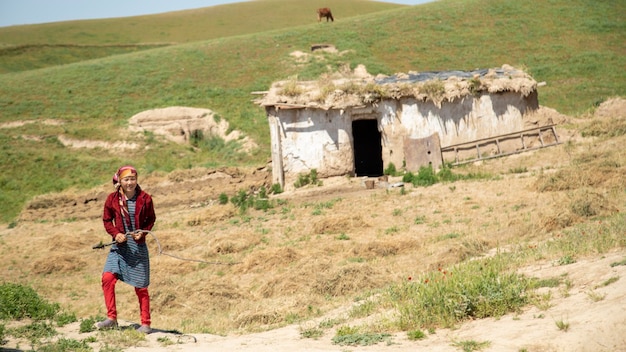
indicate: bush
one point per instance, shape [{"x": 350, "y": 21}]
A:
[
  {"x": 416, "y": 335},
  {"x": 473, "y": 290},
  {"x": 34, "y": 331},
  {"x": 408, "y": 177},
  {"x": 351, "y": 336},
  {"x": 18, "y": 302},
  {"x": 241, "y": 200},
  {"x": 87, "y": 325},
  {"x": 391, "y": 170},
  {"x": 446, "y": 175},
  {"x": 425, "y": 177},
  {"x": 244, "y": 201},
  {"x": 305, "y": 179},
  {"x": 65, "y": 318},
  {"x": 262, "y": 192},
  {"x": 276, "y": 189},
  {"x": 262, "y": 204}
]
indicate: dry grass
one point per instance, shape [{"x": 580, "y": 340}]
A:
[
  {"x": 323, "y": 247},
  {"x": 347, "y": 88}
]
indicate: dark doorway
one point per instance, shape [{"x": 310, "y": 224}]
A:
[{"x": 368, "y": 158}]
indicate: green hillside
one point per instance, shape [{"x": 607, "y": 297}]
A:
[
  {"x": 581, "y": 56},
  {"x": 189, "y": 25},
  {"x": 43, "y": 45}
]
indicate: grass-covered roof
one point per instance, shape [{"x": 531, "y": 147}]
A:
[{"x": 356, "y": 88}]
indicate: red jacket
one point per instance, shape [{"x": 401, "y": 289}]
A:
[{"x": 144, "y": 214}]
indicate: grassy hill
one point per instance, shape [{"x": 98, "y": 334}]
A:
[
  {"x": 215, "y": 57},
  {"x": 49, "y": 44},
  {"x": 189, "y": 25},
  {"x": 508, "y": 253}
]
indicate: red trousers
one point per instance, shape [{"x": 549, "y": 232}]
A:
[{"x": 108, "y": 287}]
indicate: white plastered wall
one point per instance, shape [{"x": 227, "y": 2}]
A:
[
  {"x": 313, "y": 139},
  {"x": 322, "y": 139}
]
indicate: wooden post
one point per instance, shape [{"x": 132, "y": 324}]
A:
[{"x": 278, "y": 175}]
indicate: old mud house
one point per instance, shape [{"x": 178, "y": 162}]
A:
[{"x": 357, "y": 124}]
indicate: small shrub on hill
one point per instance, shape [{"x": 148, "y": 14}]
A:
[
  {"x": 276, "y": 189},
  {"x": 87, "y": 325},
  {"x": 352, "y": 336},
  {"x": 416, "y": 335},
  {"x": 244, "y": 200},
  {"x": 306, "y": 179},
  {"x": 425, "y": 177},
  {"x": 291, "y": 88},
  {"x": 65, "y": 318},
  {"x": 241, "y": 200},
  {"x": 223, "y": 199},
  {"x": 392, "y": 171},
  {"x": 473, "y": 290}
]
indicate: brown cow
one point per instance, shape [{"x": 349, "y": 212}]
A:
[{"x": 324, "y": 12}]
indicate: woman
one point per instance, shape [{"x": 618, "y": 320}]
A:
[{"x": 127, "y": 211}]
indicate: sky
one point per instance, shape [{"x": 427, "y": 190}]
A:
[{"x": 18, "y": 12}]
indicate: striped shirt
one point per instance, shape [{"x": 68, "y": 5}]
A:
[{"x": 132, "y": 205}]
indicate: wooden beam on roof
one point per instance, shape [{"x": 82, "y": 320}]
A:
[{"x": 289, "y": 106}]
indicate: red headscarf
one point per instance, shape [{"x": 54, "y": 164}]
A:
[{"x": 122, "y": 172}]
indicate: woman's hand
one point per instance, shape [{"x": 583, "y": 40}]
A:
[
  {"x": 120, "y": 238},
  {"x": 137, "y": 235}
]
